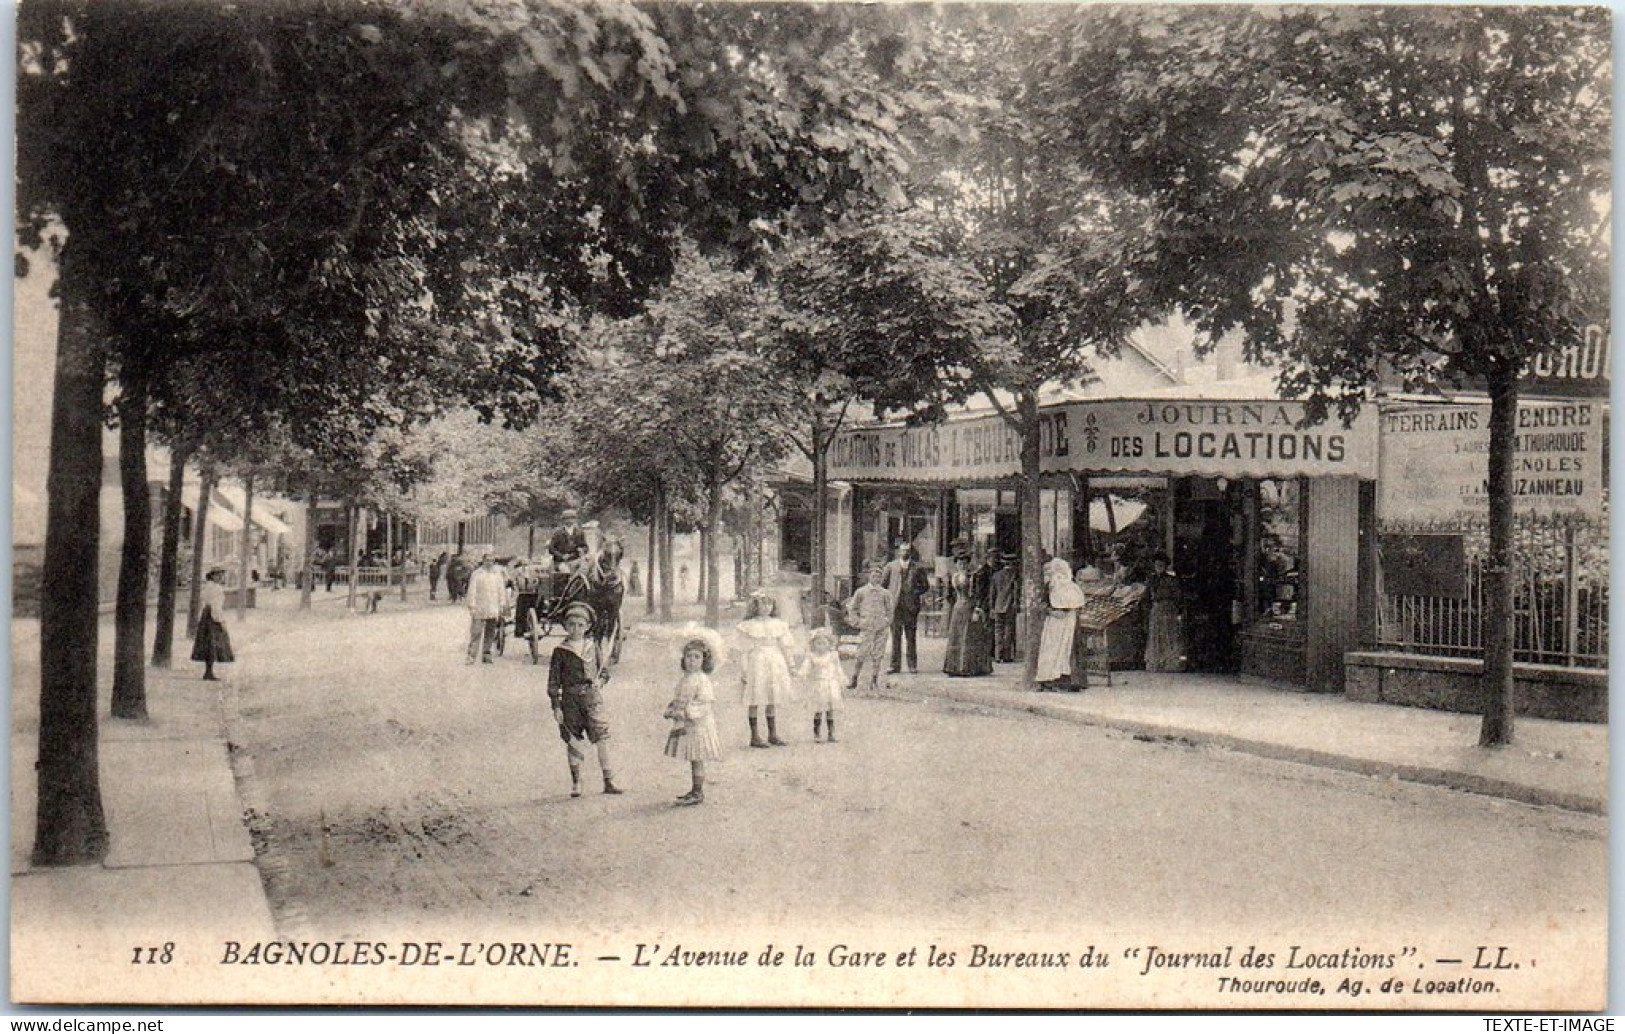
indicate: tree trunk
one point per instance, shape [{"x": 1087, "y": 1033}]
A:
[
  {"x": 70, "y": 827},
  {"x": 355, "y": 557},
  {"x": 200, "y": 540},
  {"x": 654, "y": 543},
  {"x": 1036, "y": 597},
  {"x": 163, "y": 646},
  {"x": 703, "y": 565},
  {"x": 308, "y": 585},
  {"x": 389, "y": 552},
  {"x": 713, "y": 525},
  {"x": 666, "y": 574},
  {"x": 135, "y": 558},
  {"x": 1498, "y": 687},
  {"x": 414, "y": 550},
  {"x": 245, "y": 562}
]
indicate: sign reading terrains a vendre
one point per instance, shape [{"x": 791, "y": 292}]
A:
[
  {"x": 1435, "y": 462},
  {"x": 1146, "y": 436}
]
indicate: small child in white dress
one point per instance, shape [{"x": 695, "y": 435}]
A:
[
  {"x": 694, "y": 728},
  {"x": 766, "y": 647},
  {"x": 823, "y": 679}
]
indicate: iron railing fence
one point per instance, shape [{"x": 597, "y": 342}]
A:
[{"x": 1560, "y": 599}]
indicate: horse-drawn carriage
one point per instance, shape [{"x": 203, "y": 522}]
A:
[{"x": 541, "y": 598}]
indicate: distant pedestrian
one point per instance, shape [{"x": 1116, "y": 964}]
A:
[
  {"x": 1006, "y": 603},
  {"x": 457, "y": 573},
  {"x": 908, "y": 583},
  {"x": 693, "y": 733},
  {"x": 970, "y": 631},
  {"x": 764, "y": 667},
  {"x": 682, "y": 582},
  {"x": 487, "y": 596},
  {"x": 870, "y": 610},
  {"x": 575, "y": 682},
  {"x": 1055, "y": 660},
  {"x": 437, "y": 567},
  {"x": 634, "y": 581},
  {"x": 330, "y": 568},
  {"x": 823, "y": 679},
  {"x": 1165, "y": 634},
  {"x": 210, "y": 643}
]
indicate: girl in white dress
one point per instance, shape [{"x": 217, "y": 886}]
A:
[
  {"x": 824, "y": 679},
  {"x": 764, "y": 667},
  {"x": 694, "y": 728}
]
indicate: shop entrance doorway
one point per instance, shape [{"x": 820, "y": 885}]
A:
[
  {"x": 1007, "y": 533},
  {"x": 1209, "y": 542}
]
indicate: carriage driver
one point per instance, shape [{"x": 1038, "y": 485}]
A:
[
  {"x": 568, "y": 545},
  {"x": 569, "y": 549}
]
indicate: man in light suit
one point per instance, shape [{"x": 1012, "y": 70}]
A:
[
  {"x": 907, "y": 582},
  {"x": 487, "y": 596}
]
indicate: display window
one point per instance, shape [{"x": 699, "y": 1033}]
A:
[{"x": 1279, "y": 594}]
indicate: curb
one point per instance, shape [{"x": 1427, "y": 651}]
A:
[{"x": 1464, "y": 781}]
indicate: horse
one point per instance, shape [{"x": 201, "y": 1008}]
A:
[{"x": 605, "y": 592}]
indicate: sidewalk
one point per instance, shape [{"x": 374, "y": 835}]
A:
[
  {"x": 1559, "y": 764},
  {"x": 180, "y": 869}
]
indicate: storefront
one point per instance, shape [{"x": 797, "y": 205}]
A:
[{"x": 1268, "y": 523}]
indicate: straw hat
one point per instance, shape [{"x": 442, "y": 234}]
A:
[{"x": 709, "y": 636}]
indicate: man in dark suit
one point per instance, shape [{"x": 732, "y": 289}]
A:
[
  {"x": 907, "y": 581},
  {"x": 568, "y": 547},
  {"x": 1006, "y": 604}
]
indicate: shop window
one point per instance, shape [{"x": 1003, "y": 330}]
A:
[
  {"x": 1125, "y": 525},
  {"x": 1280, "y": 517},
  {"x": 978, "y": 514},
  {"x": 1055, "y": 522}
]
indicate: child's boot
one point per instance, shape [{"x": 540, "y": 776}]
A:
[
  {"x": 756, "y": 737},
  {"x": 830, "y": 721},
  {"x": 696, "y": 795},
  {"x": 603, "y": 763},
  {"x": 818, "y": 725},
  {"x": 575, "y": 780},
  {"x": 773, "y": 732}
]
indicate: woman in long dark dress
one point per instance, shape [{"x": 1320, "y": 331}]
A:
[
  {"x": 212, "y": 644},
  {"x": 970, "y": 623},
  {"x": 1165, "y": 633}
]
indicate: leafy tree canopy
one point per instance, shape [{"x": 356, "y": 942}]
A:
[
  {"x": 345, "y": 196},
  {"x": 1425, "y": 187}
]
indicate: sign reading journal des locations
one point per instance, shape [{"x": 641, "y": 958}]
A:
[
  {"x": 1435, "y": 461},
  {"x": 1208, "y": 439}
]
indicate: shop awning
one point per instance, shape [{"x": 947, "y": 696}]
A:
[
  {"x": 219, "y": 516},
  {"x": 238, "y": 499},
  {"x": 1113, "y": 514},
  {"x": 1234, "y": 429}
]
